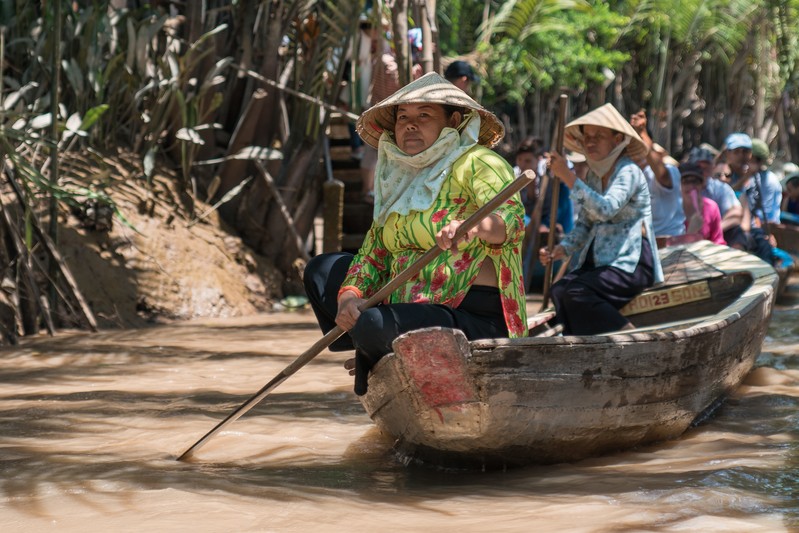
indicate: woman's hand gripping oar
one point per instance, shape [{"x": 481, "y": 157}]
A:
[
  {"x": 503, "y": 196},
  {"x": 553, "y": 210}
]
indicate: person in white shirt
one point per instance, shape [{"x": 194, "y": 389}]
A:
[{"x": 668, "y": 216}]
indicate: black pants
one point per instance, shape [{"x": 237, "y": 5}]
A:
[
  {"x": 755, "y": 242},
  {"x": 587, "y": 300},
  {"x": 736, "y": 238},
  {"x": 759, "y": 245},
  {"x": 479, "y": 315}
]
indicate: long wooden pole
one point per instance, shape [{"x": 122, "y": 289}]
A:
[
  {"x": 532, "y": 238},
  {"x": 503, "y": 196},
  {"x": 553, "y": 214}
]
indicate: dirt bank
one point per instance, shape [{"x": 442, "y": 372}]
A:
[{"x": 162, "y": 265}]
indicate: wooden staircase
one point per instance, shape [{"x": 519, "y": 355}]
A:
[{"x": 346, "y": 217}]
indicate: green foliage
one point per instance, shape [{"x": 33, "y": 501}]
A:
[
  {"x": 572, "y": 48},
  {"x": 315, "y": 48},
  {"x": 174, "y": 98},
  {"x": 25, "y": 117},
  {"x": 715, "y": 27},
  {"x": 786, "y": 26},
  {"x": 458, "y": 24},
  {"x": 521, "y": 19}
]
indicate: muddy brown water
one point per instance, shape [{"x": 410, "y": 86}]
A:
[{"x": 91, "y": 425}]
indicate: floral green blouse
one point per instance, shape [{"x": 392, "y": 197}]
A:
[{"x": 475, "y": 178}]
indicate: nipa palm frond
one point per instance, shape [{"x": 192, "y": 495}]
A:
[
  {"x": 328, "y": 28},
  {"x": 519, "y": 19}
]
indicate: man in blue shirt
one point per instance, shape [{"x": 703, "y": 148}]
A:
[
  {"x": 746, "y": 177},
  {"x": 763, "y": 190}
]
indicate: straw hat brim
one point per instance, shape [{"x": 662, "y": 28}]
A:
[
  {"x": 430, "y": 88},
  {"x": 608, "y": 117}
]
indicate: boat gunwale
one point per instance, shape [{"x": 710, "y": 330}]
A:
[{"x": 764, "y": 283}]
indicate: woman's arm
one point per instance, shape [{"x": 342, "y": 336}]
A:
[
  {"x": 370, "y": 268},
  {"x": 490, "y": 173},
  {"x": 491, "y": 230}
]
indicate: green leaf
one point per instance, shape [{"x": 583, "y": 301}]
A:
[{"x": 92, "y": 116}]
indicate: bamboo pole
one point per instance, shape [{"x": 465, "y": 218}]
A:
[{"x": 553, "y": 215}]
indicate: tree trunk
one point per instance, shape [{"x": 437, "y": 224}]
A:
[
  {"x": 233, "y": 171},
  {"x": 428, "y": 16},
  {"x": 399, "y": 24},
  {"x": 304, "y": 160}
]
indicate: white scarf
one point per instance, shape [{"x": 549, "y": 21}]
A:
[
  {"x": 405, "y": 183},
  {"x": 601, "y": 167}
]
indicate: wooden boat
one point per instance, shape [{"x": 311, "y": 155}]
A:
[
  {"x": 787, "y": 237},
  {"x": 543, "y": 399}
]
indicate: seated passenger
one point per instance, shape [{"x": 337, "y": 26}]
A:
[
  {"x": 719, "y": 190},
  {"x": 702, "y": 215},
  {"x": 763, "y": 188},
  {"x": 613, "y": 240},
  {"x": 790, "y": 200}
]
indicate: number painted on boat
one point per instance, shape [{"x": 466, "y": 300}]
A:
[{"x": 667, "y": 297}]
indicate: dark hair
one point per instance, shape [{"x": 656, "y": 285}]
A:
[
  {"x": 692, "y": 178},
  {"x": 691, "y": 169},
  {"x": 533, "y": 145},
  {"x": 450, "y": 110},
  {"x": 793, "y": 180}
]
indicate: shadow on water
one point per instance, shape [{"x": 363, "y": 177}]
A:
[{"x": 105, "y": 359}]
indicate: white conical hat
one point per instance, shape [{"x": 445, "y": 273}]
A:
[
  {"x": 430, "y": 88},
  {"x": 608, "y": 117}
]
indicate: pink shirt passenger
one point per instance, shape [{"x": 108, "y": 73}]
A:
[
  {"x": 711, "y": 222},
  {"x": 702, "y": 215}
]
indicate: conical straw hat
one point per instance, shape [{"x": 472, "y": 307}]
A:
[
  {"x": 430, "y": 88},
  {"x": 608, "y": 117}
]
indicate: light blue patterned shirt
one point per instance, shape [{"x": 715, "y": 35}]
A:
[{"x": 612, "y": 220}]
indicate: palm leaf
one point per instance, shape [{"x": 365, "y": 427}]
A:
[{"x": 519, "y": 19}]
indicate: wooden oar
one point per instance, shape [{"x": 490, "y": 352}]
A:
[
  {"x": 503, "y": 196},
  {"x": 553, "y": 214},
  {"x": 532, "y": 233}
]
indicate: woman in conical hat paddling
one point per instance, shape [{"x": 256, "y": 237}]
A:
[
  {"x": 612, "y": 241},
  {"x": 434, "y": 169}
]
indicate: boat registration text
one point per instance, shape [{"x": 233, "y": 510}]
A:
[{"x": 667, "y": 297}]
